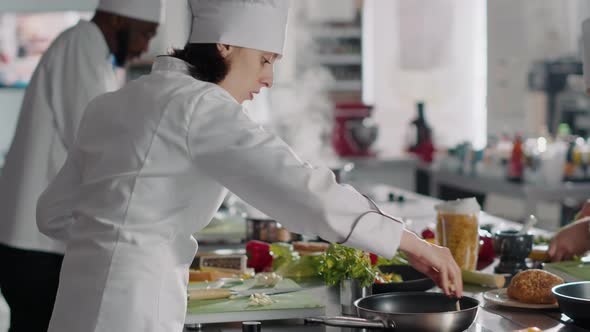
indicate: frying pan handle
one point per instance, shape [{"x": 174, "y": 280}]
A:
[{"x": 341, "y": 321}]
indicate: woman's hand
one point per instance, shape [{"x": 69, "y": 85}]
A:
[
  {"x": 434, "y": 261},
  {"x": 584, "y": 212}
]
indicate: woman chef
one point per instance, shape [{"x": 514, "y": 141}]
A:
[{"x": 153, "y": 161}]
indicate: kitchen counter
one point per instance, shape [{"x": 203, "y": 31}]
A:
[
  {"x": 418, "y": 212},
  {"x": 532, "y": 194},
  {"x": 490, "y": 318}
]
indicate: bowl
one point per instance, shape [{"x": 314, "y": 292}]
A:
[
  {"x": 574, "y": 300},
  {"x": 413, "y": 280}
]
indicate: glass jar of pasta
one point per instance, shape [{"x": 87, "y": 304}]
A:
[{"x": 457, "y": 225}]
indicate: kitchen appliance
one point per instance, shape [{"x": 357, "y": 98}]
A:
[
  {"x": 354, "y": 130},
  {"x": 574, "y": 300},
  {"x": 411, "y": 311},
  {"x": 513, "y": 248},
  {"x": 550, "y": 77}
]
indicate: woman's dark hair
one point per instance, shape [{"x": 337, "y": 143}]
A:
[{"x": 205, "y": 61}]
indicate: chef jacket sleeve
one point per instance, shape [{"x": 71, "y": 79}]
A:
[
  {"x": 56, "y": 204},
  {"x": 262, "y": 170}
]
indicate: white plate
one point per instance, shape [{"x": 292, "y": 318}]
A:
[{"x": 500, "y": 297}]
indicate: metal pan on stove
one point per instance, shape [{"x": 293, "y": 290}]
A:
[{"x": 411, "y": 311}]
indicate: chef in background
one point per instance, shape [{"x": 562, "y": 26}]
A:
[
  {"x": 153, "y": 161},
  {"x": 573, "y": 239},
  {"x": 78, "y": 66}
]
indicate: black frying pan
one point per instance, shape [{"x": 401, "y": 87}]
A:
[{"x": 411, "y": 311}]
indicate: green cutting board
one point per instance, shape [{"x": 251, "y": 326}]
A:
[
  {"x": 294, "y": 300},
  {"x": 570, "y": 270}
]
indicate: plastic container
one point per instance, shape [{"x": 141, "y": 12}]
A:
[{"x": 457, "y": 228}]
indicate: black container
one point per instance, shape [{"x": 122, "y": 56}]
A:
[
  {"x": 513, "y": 249},
  {"x": 413, "y": 280},
  {"x": 574, "y": 300}
]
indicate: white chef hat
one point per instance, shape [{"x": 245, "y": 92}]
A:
[
  {"x": 145, "y": 10},
  {"x": 257, "y": 24},
  {"x": 586, "y": 51}
]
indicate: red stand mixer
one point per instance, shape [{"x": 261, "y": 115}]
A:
[{"x": 354, "y": 130}]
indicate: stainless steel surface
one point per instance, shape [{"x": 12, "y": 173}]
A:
[{"x": 350, "y": 291}]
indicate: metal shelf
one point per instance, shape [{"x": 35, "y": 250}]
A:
[
  {"x": 348, "y": 85},
  {"x": 345, "y": 32},
  {"x": 340, "y": 59}
]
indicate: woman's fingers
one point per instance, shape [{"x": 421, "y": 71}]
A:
[
  {"x": 444, "y": 278},
  {"x": 459, "y": 282}
]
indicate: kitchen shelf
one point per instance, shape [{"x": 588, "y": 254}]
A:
[
  {"x": 348, "y": 85},
  {"x": 340, "y": 59},
  {"x": 340, "y": 32}
]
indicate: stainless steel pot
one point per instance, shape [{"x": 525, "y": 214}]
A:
[{"x": 411, "y": 311}]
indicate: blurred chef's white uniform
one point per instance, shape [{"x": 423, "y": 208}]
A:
[
  {"x": 150, "y": 167},
  {"x": 76, "y": 68}
]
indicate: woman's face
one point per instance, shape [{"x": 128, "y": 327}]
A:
[{"x": 249, "y": 71}]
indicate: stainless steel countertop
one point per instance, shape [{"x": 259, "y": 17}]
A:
[
  {"x": 490, "y": 318},
  {"x": 418, "y": 212}
]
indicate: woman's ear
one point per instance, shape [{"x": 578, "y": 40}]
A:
[{"x": 225, "y": 50}]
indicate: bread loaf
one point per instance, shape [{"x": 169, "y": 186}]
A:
[{"x": 534, "y": 286}]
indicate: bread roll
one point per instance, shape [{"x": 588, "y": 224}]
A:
[
  {"x": 534, "y": 286},
  {"x": 196, "y": 276}
]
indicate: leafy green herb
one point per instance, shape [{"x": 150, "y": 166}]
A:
[
  {"x": 341, "y": 263},
  {"x": 289, "y": 263}
]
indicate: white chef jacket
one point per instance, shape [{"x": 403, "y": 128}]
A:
[
  {"x": 150, "y": 167},
  {"x": 75, "y": 69}
]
